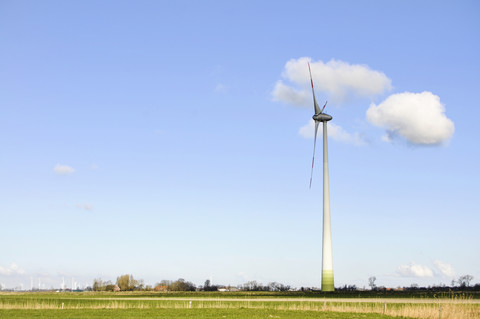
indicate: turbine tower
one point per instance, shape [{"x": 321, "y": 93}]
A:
[{"x": 327, "y": 259}]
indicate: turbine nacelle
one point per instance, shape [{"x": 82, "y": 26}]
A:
[{"x": 322, "y": 117}]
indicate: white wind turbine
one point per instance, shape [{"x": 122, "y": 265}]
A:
[{"x": 327, "y": 259}]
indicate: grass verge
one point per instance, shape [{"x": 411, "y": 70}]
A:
[{"x": 184, "y": 313}]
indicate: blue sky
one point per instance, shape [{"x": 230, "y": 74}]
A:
[{"x": 152, "y": 138}]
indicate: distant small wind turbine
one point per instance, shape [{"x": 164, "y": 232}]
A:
[{"x": 327, "y": 259}]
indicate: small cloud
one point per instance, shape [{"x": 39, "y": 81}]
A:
[
  {"x": 94, "y": 166},
  {"x": 335, "y": 78},
  {"x": 243, "y": 276},
  {"x": 445, "y": 269},
  {"x": 336, "y": 132},
  {"x": 220, "y": 88},
  {"x": 63, "y": 169},
  {"x": 418, "y": 117},
  {"x": 414, "y": 270},
  {"x": 85, "y": 206},
  {"x": 387, "y": 137},
  {"x": 12, "y": 270}
]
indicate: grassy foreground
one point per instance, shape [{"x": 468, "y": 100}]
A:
[
  {"x": 239, "y": 305},
  {"x": 184, "y": 313}
]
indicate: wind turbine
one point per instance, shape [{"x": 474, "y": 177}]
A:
[{"x": 327, "y": 259}]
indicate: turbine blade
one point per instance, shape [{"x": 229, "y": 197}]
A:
[
  {"x": 315, "y": 104},
  {"x": 314, "y": 144},
  {"x": 323, "y": 108}
]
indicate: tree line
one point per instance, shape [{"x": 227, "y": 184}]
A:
[
  {"x": 128, "y": 283},
  {"x": 462, "y": 283}
]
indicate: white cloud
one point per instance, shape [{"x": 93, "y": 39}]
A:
[
  {"x": 418, "y": 117},
  {"x": 63, "y": 169},
  {"x": 220, "y": 88},
  {"x": 414, "y": 270},
  {"x": 336, "y": 132},
  {"x": 289, "y": 95},
  {"x": 445, "y": 269},
  {"x": 85, "y": 206},
  {"x": 12, "y": 270},
  {"x": 337, "y": 79}
]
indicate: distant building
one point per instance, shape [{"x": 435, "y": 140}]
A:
[
  {"x": 160, "y": 288},
  {"x": 225, "y": 289}
]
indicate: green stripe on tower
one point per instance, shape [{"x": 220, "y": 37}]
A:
[{"x": 327, "y": 280}]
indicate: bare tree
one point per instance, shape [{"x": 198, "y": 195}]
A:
[
  {"x": 464, "y": 281},
  {"x": 371, "y": 282},
  {"x": 99, "y": 284},
  {"x": 209, "y": 287},
  {"x": 275, "y": 286},
  {"x": 252, "y": 286},
  {"x": 181, "y": 285}
]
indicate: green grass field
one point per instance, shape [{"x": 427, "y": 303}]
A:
[
  {"x": 183, "y": 313},
  {"x": 232, "y": 305}
]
